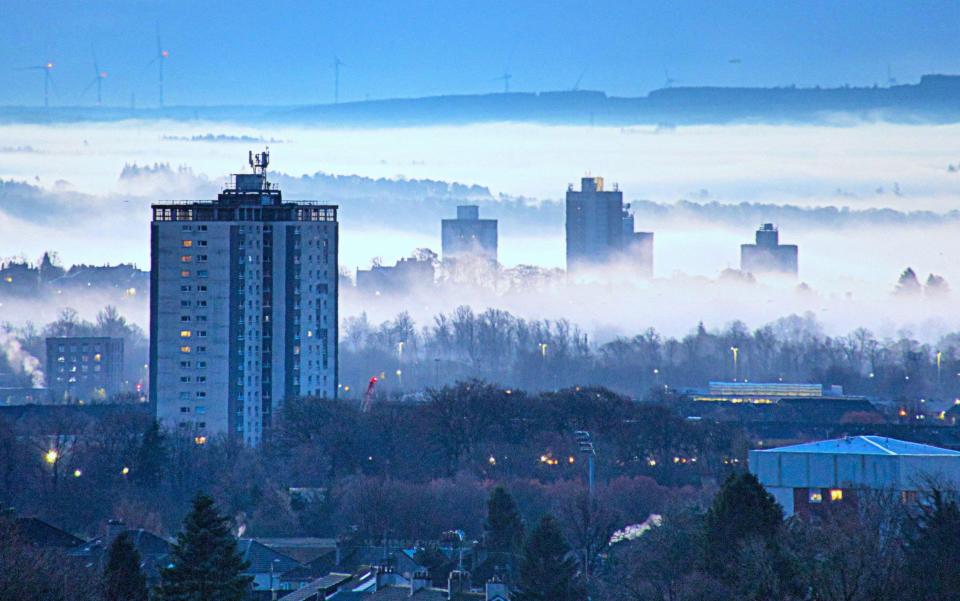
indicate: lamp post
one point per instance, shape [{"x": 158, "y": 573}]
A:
[
  {"x": 585, "y": 440},
  {"x": 939, "y": 366},
  {"x": 736, "y": 352}
]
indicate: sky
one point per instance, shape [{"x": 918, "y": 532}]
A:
[{"x": 243, "y": 52}]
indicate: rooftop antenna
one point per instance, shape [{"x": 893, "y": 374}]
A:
[
  {"x": 46, "y": 68},
  {"x": 159, "y": 58},
  {"x": 98, "y": 77},
  {"x": 260, "y": 161},
  {"x": 506, "y": 77},
  {"x": 337, "y": 63}
]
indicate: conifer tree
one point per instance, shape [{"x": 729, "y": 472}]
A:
[
  {"x": 504, "y": 526},
  {"x": 741, "y": 510},
  {"x": 122, "y": 578},
  {"x": 548, "y": 571},
  {"x": 205, "y": 563}
]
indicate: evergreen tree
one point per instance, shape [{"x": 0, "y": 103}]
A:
[
  {"x": 548, "y": 571},
  {"x": 934, "y": 552},
  {"x": 151, "y": 457},
  {"x": 742, "y": 510},
  {"x": 206, "y": 564},
  {"x": 122, "y": 578},
  {"x": 504, "y": 527}
]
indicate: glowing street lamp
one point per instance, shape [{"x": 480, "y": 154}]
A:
[
  {"x": 51, "y": 456},
  {"x": 736, "y": 352}
]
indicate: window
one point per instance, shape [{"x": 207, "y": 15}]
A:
[
  {"x": 816, "y": 495},
  {"x": 202, "y": 228},
  {"x": 836, "y": 494},
  {"x": 185, "y": 273},
  {"x": 201, "y": 409},
  {"x": 201, "y": 364},
  {"x": 184, "y": 303},
  {"x": 202, "y": 333},
  {"x": 185, "y": 364},
  {"x": 202, "y": 258},
  {"x": 184, "y": 318},
  {"x": 202, "y": 288},
  {"x": 184, "y": 396},
  {"x": 185, "y": 379},
  {"x": 185, "y": 349},
  {"x": 202, "y": 273},
  {"x": 186, "y": 288},
  {"x": 201, "y": 242},
  {"x": 185, "y": 258},
  {"x": 185, "y": 333},
  {"x": 187, "y": 243},
  {"x": 186, "y": 228},
  {"x": 184, "y": 409}
]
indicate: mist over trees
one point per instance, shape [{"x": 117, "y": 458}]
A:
[{"x": 544, "y": 355}]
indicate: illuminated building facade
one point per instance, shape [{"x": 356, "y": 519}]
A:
[
  {"x": 87, "y": 369},
  {"x": 243, "y": 307}
]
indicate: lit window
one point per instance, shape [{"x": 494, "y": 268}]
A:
[
  {"x": 187, "y": 243},
  {"x": 184, "y": 349},
  {"x": 816, "y": 495},
  {"x": 185, "y": 333},
  {"x": 185, "y": 273},
  {"x": 836, "y": 494},
  {"x": 185, "y": 258},
  {"x": 96, "y": 357}
]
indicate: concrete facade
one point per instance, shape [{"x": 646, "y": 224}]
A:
[
  {"x": 88, "y": 369},
  {"x": 468, "y": 235},
  {"x": 243, "y": 308},
  {"x": 767, "y": 255}
]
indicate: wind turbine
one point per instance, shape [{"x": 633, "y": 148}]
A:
[
  {"x": 159, "y": 58},
  {"x": 506, "y": 77},
  {"x": 576, "y": 85},
  {"x": 98, "y": 77},
  {"x": 668, "y": 81},
  {"x": 46, "y": 68},
  {"x": 337, "y": 63}
]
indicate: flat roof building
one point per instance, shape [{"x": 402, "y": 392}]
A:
[
  {"x": 84, "y": 368},
  {"x": 407, "y": 274},
  {"x": 243, "y": 306},
  {"x": 767, "y": 255},
  {"x": 600, "y": 229},
  {"x": 468, "y": 235},
  {"x": 806, "y": 478}
]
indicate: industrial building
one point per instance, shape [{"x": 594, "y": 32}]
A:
[
  {"x": 468, "y": 235},
  {"x": 84, "y": 369},
  {"x": 600, "y": 229},
  {"x": 764, "y": 392},
  {"x": 243, "y": 306},
  {"x": 767, "y": 255},
  {"x": 811, "y": 477}
]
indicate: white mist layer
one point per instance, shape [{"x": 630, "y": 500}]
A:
[{"x": 852, "y": 271}]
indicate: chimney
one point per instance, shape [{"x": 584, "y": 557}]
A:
[
  {"x": 420, "y": 580},
  {"x": 459, "y": 582},
  {"x": 497, "y": 589},
  {"x": 114, "y": 529}
]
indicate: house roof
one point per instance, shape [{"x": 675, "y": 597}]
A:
[
  {"x": 326, "y": 584},
  {"x": 866, "y": 445},
  {"x": 261, "y": 557},
  {"x": 37, "y": 532},
  {"x": 400, "y": 593}
]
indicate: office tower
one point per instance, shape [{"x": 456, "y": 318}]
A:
[
  {"x": 600, "y": 229},
  {"x": 468, "y": 235},
  {"x": 243, "y": 307},
  {"x": 84, "y": 368},
  {"x": 768, "y": 255}
]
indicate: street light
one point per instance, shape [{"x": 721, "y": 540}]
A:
[
  {"x": 585, "y": 442},
  {"x": 736, "y": 351}
]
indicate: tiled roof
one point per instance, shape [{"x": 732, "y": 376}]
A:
[
  {"x": 261, "y": 557},
  {"x": 327, "y": 583},
  {"x": 40, "y": 533},
  {"x": 866, "y": 445}
]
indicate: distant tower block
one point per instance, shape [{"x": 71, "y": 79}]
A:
[
  {"x": 599, "y": 229},
  {"x": 469, "y": 236},
  {"x": 767, "y": 255}
]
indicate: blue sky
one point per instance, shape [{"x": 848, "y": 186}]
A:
[{"x": 282, "y": 52}]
